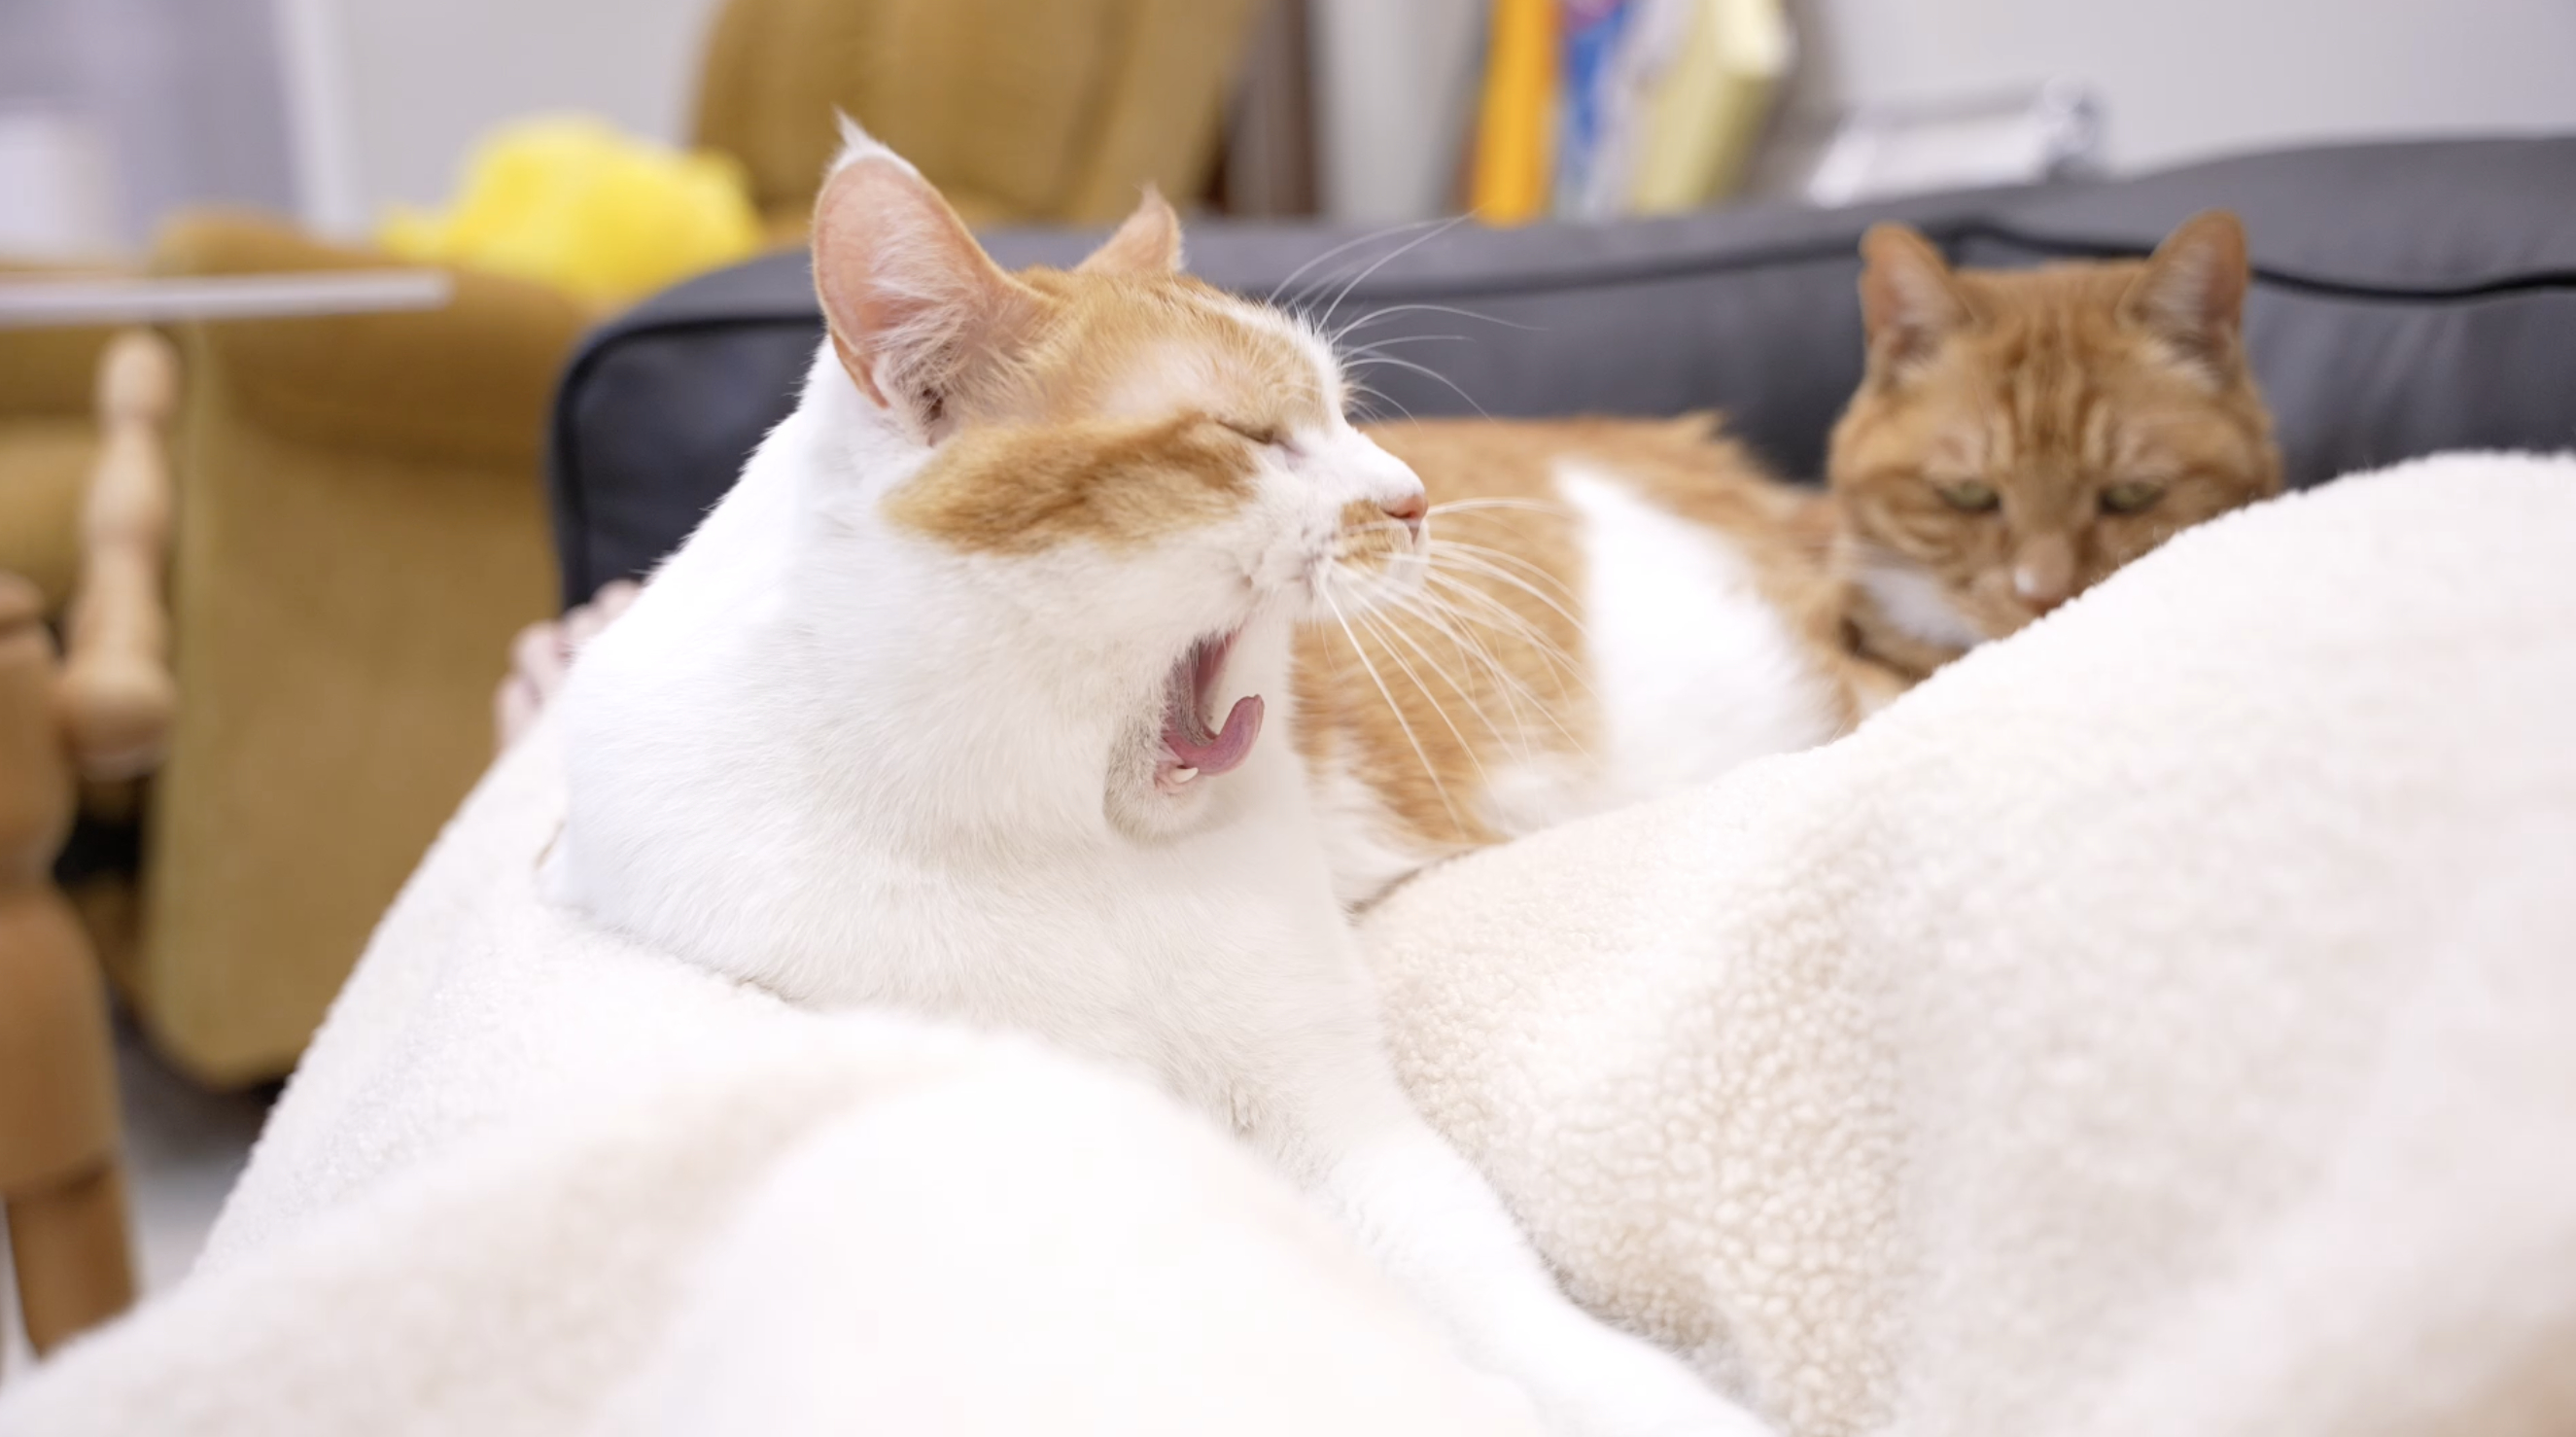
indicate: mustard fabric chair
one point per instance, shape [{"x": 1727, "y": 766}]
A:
[{"x": 361, "y": 522}]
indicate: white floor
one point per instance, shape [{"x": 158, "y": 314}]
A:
[{"x": 183, "y": 1148}]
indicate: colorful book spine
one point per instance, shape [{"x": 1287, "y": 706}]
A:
[
  {"x": 1709, "y": 105},
  {"x": 1515, "y": 160},
  {"x": 1592, "y": 114}
]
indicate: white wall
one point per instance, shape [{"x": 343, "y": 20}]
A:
[
  {"x": 1395, "y": 94},
  {"x": 391, "y": 93},
  {"x": 418, "y": 80},
  {"x": 2183, "y": 79},
  {"x": 118, "y": 111}
]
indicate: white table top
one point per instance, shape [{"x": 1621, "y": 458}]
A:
[{"x": 27, "y": 303}]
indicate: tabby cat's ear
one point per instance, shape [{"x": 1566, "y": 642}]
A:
[
  {"x": 1149, "y": 242},
  {"x": 917, "y": 311},
  {"x": 1908, "y": 299},
  {"x": 2192, "y": 294}
]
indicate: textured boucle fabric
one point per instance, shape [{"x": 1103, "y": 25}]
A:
[
  {"x": 2156, "y": 1023},
  {"x": 533, "y": 1179}
]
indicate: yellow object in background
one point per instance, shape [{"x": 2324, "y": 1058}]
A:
[
  {"x": 1710, "y": 105},
  {"x": 1515, "y": 163},
  {"x": 572, "y": 203}
]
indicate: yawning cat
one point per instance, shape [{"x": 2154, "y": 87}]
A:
[
  {"x": 1617, "y": 608},
  {"x": 967, "y": 700}
]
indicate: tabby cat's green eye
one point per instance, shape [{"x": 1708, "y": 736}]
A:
[
  {"x": 2131, "y": 497},
  {"x": 1971, "y": 497}
]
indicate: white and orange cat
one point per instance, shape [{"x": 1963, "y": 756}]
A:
[
  {"x": 969, "y": 699},
  {"x": 1614, "y": 609}
]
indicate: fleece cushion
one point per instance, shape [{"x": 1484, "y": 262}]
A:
[{"x": 2155, "y": 1023}]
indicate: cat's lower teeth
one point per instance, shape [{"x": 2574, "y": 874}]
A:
[{"x": 1184, "y": 775}]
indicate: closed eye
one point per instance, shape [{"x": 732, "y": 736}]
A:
[{"x": 1264, "y": 434}]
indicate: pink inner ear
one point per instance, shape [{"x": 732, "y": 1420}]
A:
[{"x": 914, "y": 304}]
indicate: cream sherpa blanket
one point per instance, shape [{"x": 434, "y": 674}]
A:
[{"x": 2164, "y": 1022}]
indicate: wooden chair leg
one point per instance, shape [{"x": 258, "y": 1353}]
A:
[
  {"x": 75, "y": 1265},
  {"x": 106, "y": 710},
  {"x": 58, "y": 1114}
]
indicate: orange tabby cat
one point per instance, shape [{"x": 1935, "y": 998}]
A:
[
  {"x": 1618, "y": 608},
  {"x": 2021, "y": 435}
]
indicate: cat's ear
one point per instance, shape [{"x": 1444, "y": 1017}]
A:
[
  {"x": 1908, "y": 297},
  {"x": 2192, "y": 294},
  {"x": 1149, "y": 242},
  {"x": 917, "y": 310}
]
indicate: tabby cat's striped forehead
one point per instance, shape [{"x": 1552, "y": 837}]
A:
[
  {"x": 2020, "y": 435},
  {"x": 2051, "y": 385}
]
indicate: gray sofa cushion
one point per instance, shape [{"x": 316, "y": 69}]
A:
[{"x": 2407, "y": 298}]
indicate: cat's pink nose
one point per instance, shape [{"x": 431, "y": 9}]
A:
[
  {"x": 1408, "y": 511},
  {"x": 2039, "y": 598},
  {"x": 2044, "y": 573}
]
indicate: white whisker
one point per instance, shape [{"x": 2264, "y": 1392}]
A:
[
  {"x": 1426, "y": 370},
  {"x": 1361, "y": 653},
  {"x": 1325, "y": 323},
  {"x": 1343, "y": 248},
  {"x": 1373, "y": 316},
  {"x": 1379, "y": 630},
  {"x": 1561, "y": 664}
]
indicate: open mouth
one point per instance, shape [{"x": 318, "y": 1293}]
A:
[{"x": 1190, "y": 748}]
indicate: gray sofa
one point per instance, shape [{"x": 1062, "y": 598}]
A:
[{"x": 2407, "y": 298}]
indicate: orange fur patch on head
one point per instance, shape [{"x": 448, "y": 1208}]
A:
[
  {"x": 1021, "y": 489},
  {"x": 1111, "y": 403},
  {"x": 2023, "y": 434},
  {"x": 1138, "y": 410},
  {"x": 1114, "y": 403}
]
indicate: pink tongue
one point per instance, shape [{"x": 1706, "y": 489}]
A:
[{"x": 1222, "y": 751}]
